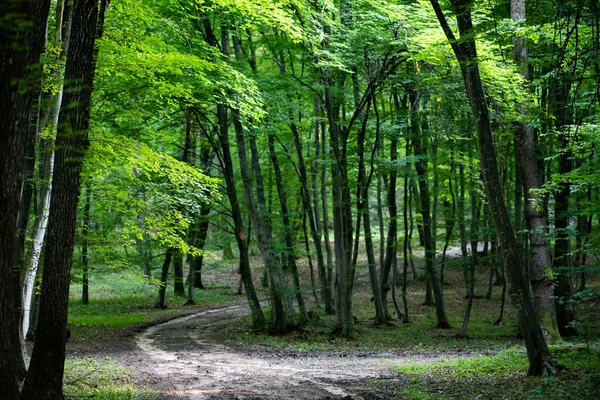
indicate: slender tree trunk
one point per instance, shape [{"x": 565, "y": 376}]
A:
[
  {"x": 39, "y": 231},
  {"x": 164, "y": 279},
  {"x": 421, "y": 166},
  {"x": 540, "y": 266},
  {"x": 262, "y": 230},
  {"x": 462, "y": 227},
  {"x": 324, "y": 282},
  {"x": 363, "y": 209},
  {"x": 450, "y": 217},
  {"x": 258, "y": 318},
  {"x": 540, "y": 360},
  {"x": 85, "y": 229},
  {"x": 178, "y": 284},
  {"x": 405, "y": 246},
  {"x": 290, "y": 254}
]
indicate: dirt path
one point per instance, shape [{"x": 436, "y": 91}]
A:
[{"x": 186, "y": 359}]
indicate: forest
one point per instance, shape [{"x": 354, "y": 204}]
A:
[{"x": 409, "y": 180}]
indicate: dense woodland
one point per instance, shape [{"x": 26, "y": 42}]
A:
[{"x": 138, "y": 134}]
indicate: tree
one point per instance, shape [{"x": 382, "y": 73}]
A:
[
  {"x": 22, "y": 34},
  {"x": 44, "y": 379},
  {"x": 540, "y": 360}
]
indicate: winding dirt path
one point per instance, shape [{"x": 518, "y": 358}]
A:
[{"x": 186, "y": 359}]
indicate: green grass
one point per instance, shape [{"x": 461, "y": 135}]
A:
[
  {"x": 122, "y": 299},
  {"x": 101, "y": 379},
  {"x": 502, "y": 376}
]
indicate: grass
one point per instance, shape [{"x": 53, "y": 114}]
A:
[
  {"x": 120, "y": 299},
  {"x": 501, "y": 376},
  {"x": 101, "y": 379}
]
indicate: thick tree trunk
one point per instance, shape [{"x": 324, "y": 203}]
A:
[
  {"x": 21, "y": 44},
  {"x": 540, "y": 360},
  {"x": 44, "y": 379}
]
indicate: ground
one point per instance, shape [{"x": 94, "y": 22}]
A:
[{"x": 185, "y": 358}]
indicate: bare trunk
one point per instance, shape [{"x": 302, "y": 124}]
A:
[
  {"x": 421, "y": 166},
  {"x": 540, "y": 266}
]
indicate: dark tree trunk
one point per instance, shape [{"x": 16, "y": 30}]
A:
[
  {"x": 44, "y": 379},
  {"x": 258, "y": 318},
  {"x": 201, "y": 235},
  {"x": 462, "y": 227},
  {"x": 21, "y": 45},
  {"x": 164, "y": 279},
  {"x": 405, "y": 246},
  {"x": 178, "y": 281},
  {"x": 326, "y": 295},
  {"x": 390, "y": 245},
  {"x": 450, "y": 217},
  {"x": 421, "y": 165},
  {"x": 364, "y": 182},
  {"x": 85, "y": 229},
  {"x": 287, "y": 227},
  {"x": 540, "y": 360},
  {"x": 262, "y": 230}
]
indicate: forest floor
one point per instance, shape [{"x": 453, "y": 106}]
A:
[
  {"x": 186, "y": 358},
  {"x": 210, "y": 353}
]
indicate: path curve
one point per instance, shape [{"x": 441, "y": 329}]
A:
[{"x": 186, "y": 359}]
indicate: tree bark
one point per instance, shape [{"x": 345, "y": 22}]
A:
[
  {"x": 22, "y": 41},
  {"x": 44, "y": 379},
  {"x": 540, "y": 266},
  {"x": 164, "y": 279},
  {"x": 85, "y": 229}
]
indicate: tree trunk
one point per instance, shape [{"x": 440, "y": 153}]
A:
[
  {"x": 363, "y": 209},
  {"x": 420, "y": 146},
  {"x": 44, "y": 379},
  {"x": 262, "y": 231},
  {"x": 178, "y": 284},
  {"x": 287, "y": 227},
  {"x": 540, "y": 266},
  {"x": 540, "y": 360},
  {"x": 21, "y": 45},
  {"x": 258, "y": 318},
  {"x": 326, "y": 295},
  {"x": 164, "y": 279},
  {"x": 85, "y": 229}
]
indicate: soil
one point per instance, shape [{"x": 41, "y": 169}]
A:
[{"x": 187, "y": 358}]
